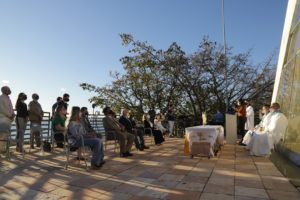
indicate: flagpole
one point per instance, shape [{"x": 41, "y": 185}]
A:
[{"x": 225, "y": 57}]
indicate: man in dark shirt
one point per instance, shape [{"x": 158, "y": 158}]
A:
[
  {"x": 55, "y": 105},
  {"x": 139, "y": 137},
  {"x": 61, "y": 101}
]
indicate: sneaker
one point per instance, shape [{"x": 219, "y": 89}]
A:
[
  {"x": 123, "y": 155},
  {"x": 241, "y": 143},
  {"x": 141, "y": 148},
  {"x": 146, "y": 147},
  {"x": 95, "y": 167},
  {"x": 102, "y": 162}
]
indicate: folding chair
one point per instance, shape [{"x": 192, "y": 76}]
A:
[
  {"x": 8, "y": 141},
  {"x": 111, "y": 136},
  {"x": 68, "y": 149},
  {"x": 4, "y": 139}
]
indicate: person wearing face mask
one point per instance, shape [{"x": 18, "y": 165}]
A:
[
  {"x": 61, "y": 102},
  {"x": 77, "y": 133},
  {"x": 54, "y": 106},
  {"x": 265, "y": 120},
  {"x": 85, "y": 122},
  {"x": 21, "y": 120},
  {"x": 7, "y": 115},
  {"x": 35, "y": 117},
  {"x": 66, "y": 99},
  {"x": 264, "y": 139},
  {"x": 58, "y": 125}
]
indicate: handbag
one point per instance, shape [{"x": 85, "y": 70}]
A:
[{"x": 46, "y": 146}]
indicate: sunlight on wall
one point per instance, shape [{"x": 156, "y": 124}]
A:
[{"x": 288, "y": 95}]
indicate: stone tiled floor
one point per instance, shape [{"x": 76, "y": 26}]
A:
[{"x": 162, "y": 172}]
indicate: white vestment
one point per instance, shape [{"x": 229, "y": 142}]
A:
[
  {"x": 263, "y": 141},
  {"x": 249, "y": 125},
  {"x": 263, "y": 123}
]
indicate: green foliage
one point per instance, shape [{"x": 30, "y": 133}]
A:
[{"x": 154, "y": 79}]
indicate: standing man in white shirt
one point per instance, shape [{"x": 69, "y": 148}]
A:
[
  {"x": 249, "y": 125},
  {"x": 7, "y": 115}
]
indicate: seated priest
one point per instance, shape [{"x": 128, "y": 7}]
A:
[
  {"x": 263, "y": 140},
  {"x": 263, "y": 123}
]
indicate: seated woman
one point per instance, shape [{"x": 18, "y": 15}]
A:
[
  {"x": 158, "y": 125},
  {"x": 158, "y": 136},
  {"x": 75, "y": 133}
]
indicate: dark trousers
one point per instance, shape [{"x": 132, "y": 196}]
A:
[
  {"x": 138, "y": 138},
  {"x": 241, "y": 125},
  {"x": 59, "y": 139},
  {"x": 158, "y": 136}
]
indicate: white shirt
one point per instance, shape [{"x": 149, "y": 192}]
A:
[{"x": 249, "y": 125}]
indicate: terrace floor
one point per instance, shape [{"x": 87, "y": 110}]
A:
[{"x": 162, "y": 172}]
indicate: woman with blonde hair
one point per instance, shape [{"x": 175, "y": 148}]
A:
[
  {"x": 75, "y": 134},
  {"x": 158, "y": 125}
]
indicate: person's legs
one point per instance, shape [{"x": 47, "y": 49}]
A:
[
  {"x": 171, "y": 127},
  {"x": 35, "y": 131},
  {"x": 121, "y": 137},
  {"x": 158, "y": 137},
  {"x": 136, "y": 141},
  {"x": 21, "y": 127},
  {"x": 59, "y": 138},
  {"x": 240, "y": 125},
  {"x": 130, "y": 139},
  {"x": 31, "y": 136},
  {"x": 97, "y": 147},
  {"x": 140, "y": 134},
  {"x": 38, "y": 135}
]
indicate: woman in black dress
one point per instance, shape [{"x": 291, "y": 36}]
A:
[{"x": 158, "y": 136}]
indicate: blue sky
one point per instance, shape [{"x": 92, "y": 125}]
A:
[{"x": 50, "y": 47}]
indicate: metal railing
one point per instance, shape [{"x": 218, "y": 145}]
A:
[
  {"x": 46, "y": 128},
  {"x": 96, "y": 122}
]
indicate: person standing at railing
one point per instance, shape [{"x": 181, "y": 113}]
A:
[
  {"x": 55, "y": 105},
  {"x": 21, "y": 120},
  {"x": 35, "y": 116},
  {"x": 61, "y": 101},
  {"x": 7, "y": 115}
]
